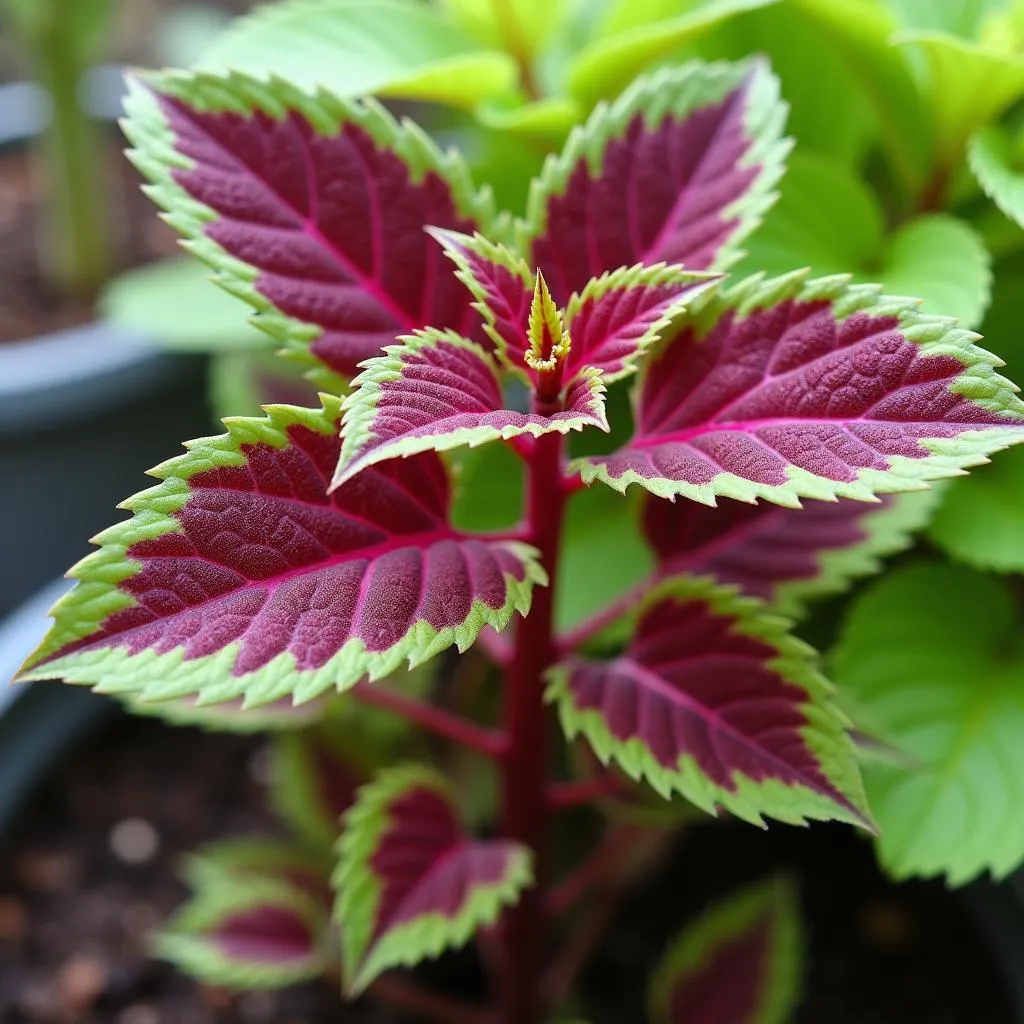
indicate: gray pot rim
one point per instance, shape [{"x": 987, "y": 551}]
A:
[{"x": 55, "y": 378}]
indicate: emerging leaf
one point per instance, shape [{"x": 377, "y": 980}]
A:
[
  {"x": 439, "y": 391},
  {"x": 788, "y": 388},
  {"x": 309, "y": 207},
  {"x": 981, "y": 519},
  {"x": 410, "y": 884},
  {"x": 679, "y": 170},
  {"x": 932, "y": 656},
  {"x": 714, "y": 699},
  {"x": 253, "y": 932},
  {"x": 786, "y": 556},
  {"x": 239, "y": 576},
  {"x": 613, "y": 321},
  {"x": 740, "y": 962}
]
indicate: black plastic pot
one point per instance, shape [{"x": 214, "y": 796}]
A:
[
  {"x": 83, "y": 414},
  {"x": 38, "y": 721}
]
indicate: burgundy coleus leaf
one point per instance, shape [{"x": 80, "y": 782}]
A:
[
  {"x": 679, "y": 169},
  {"x": 789, "y": 388},
  {"x": 309, "y": 207},
  {"x": 240, "y": 576},
  {"x": 439, "y": 391},
  {"x": 786, "y": 556},
  {"x": 248, "y": 932},
  {"x": 314, "y": 775},
  {"x": 740, "y": 961},
  {"x": 410, "y": 883},
  {"x": 714, "y": 699},
  {"x": 613, "y": 319}
]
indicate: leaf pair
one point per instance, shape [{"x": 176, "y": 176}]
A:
[{"x": 314, "y": 209}]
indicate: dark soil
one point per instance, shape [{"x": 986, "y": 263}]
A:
[
  {"x": 28, "y": 306},
  {"x": 74, "y": 916}
]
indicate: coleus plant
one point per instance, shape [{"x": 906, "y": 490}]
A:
[{"x": 290, "y": 567}]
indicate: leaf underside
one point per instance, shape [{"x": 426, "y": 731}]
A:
[
  {"x": 239, "y": 576},
  {"x": 788, "y": 388},
  {"x": 785, "y": 556},
  {"x": 713, "y": 699},
  {"x": 409, "y": 882}
]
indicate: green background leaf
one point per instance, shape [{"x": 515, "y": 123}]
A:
[
  {"x": 359, "y": 47},
  {"x": 943, "y": 261},
  {"x": 998, "y": 170},
  {"x": 932, "y": 654},
  {"x": 177, "y": 303},
  {"x": 981, "y": 519}
]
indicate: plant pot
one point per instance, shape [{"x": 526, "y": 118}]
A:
[
  {"x": 84, "y": 412},
  {"x": 38, "y": 721}
]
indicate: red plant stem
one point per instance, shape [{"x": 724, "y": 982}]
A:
[
  {"x": 575, "y": 638},
  {"x": 403, "y": 994},
  {"x": 605, "y": 860},
  {"x": 490, "y": 742},
  {"x": 525, "y": 767},
  {"x": 563, "y": 795}
]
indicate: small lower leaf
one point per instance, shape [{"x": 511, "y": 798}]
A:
[
  {"x": 409, "y": 882},
  {"x": 714, "y": 699},
  {"x": 254, "y": 933},
  {"x": 739, "y": 963}
]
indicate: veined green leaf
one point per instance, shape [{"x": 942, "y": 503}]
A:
[{"x": 932, "y": 653}]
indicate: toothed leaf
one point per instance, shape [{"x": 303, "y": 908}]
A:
[
  {"x": 714, "y": 699},
  {"x": 522, "y": 27},
  {"x": 409, "y": 882},
  {"x": 786, "y": 556},
  {"x": 981, "y": 519},
  {"x": 240, "y": 576},
  {"x": 931, "y": 656},
  {"x": 438, "y": 391},
  {"x": 679, "y": 169},
  {"x": 998, "y": 171},
  {"x": 790, "y": 388},
  {"x": 254, "y": 933},
  {"x": 740, "y": 961},
  {"x": 309, "y": 207},
  {"x": 362, "y": 47}
]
